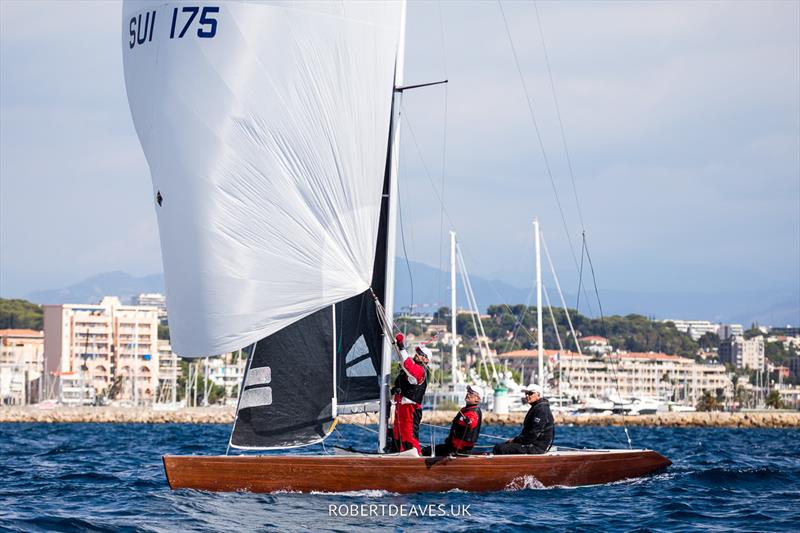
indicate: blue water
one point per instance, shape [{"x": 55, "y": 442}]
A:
[{"x": 98, "y": 477}]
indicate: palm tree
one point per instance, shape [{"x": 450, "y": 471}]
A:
[
  {"x": 774, "y": 400},
  {"x": 708, "y": 402}
]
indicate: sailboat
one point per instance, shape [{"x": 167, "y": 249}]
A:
[{"x": 271, "y": 132}]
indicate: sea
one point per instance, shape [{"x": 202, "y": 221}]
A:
[{"x": 109, "y": 477}]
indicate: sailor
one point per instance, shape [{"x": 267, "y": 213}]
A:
[
  {"x": 538, "y": 430},
  {"x": 409, "y": 390},
  {"x": 465, "y": 429}
]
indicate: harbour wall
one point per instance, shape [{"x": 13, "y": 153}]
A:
[{"x": 224, "y": 415}]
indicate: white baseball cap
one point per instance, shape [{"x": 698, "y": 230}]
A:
[
  {"x": 425, "y": 351},
  {"x": 533, "y": 387}
]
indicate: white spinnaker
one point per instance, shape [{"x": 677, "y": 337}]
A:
[{"x": 267, "y": 146}]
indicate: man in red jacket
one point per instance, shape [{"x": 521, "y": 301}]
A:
[
  {"x": 465, "y": 429},
  {"x": 409, "y": 390}
]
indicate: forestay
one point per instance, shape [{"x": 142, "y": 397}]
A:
[{"x": 265, "y": 127}]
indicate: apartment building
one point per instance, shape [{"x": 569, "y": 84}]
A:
[
  {"x": 626, "y": 373},
  {"x": 743, "y": 353},
  {"x": 21, "y": 366},
  {"x": 109, "y": 349}
]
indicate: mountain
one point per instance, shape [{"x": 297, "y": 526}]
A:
[
  {"x": 431, "y": 290},
  {"x": 93, "y": 289}
]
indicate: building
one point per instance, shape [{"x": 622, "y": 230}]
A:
[
  {"x": 168, "y": 372},
  {"x": 726, "y": 331},
  {"x": 654, "y": 375},
  {"x": 794, "y": 366},
  {"x": 228, "y": 371},
  {"x": 595, "y": 344},
  {"x": 152, "y": 299},
  {"x": 21, "y": 366},
  {"x": 695, "y": 328},
  {"x": 790, "y": 397},
  {"x": 743, "y": 353},
  {"x": 109, "y": 349},
  {"x": 786, "y": 331}
]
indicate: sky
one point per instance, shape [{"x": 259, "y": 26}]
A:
[{"x": 682, "y": 122}]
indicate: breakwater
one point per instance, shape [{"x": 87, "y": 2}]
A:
[{"x": 224, "y": 415}]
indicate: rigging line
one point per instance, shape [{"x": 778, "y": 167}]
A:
[
  {"x": 481, "y": 434},
  {"x": 520, "y": 322},
  {"x": 444, "y": 156},
  {"x": 560, "y": 294},
  {"x": 558, "y": 114},
  {"x": 580, "y": 272},
  {"x": 403, "y": 241},
  {"x": 538, "y": 133},
  {"x": 425, "y": 166},
  {"x": 603, "y": 329}
]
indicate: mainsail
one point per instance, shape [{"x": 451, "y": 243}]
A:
[{"x": 265, "y": 127}]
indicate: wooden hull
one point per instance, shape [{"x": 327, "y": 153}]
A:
[{"x": 344, "y": 473}]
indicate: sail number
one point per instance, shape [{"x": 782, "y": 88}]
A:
[{"x": 141, "y": 29}]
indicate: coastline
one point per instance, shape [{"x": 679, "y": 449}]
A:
[{"x": 224, "y": 415}]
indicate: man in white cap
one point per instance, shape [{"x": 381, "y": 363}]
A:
[
  {"x": 538, "y": 430},
  {"x": 465, "y": 429},
  {"x": 409, "y": 390}
]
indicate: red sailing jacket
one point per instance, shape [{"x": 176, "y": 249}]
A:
[
  {"x": 466, "y": 428},
  {"x": 412, "y": 380}
]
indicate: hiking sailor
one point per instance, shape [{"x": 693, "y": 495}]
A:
[
  {"x": 538, "y": 430},
  {"x": 409, "y": 390},
  {"x": 465, "y": 429}
]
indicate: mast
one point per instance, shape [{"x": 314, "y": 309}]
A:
[
  {"x": 454, "y": 349},
  {"x": 391, "y": 233},
  {"x": 539, "y": 336}
]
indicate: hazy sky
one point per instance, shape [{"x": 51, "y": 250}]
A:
[{"x": 682, "y": 121}]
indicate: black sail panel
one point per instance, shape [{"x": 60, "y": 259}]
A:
[
  {"x": 287, "y": 395},
  {"x": 358, "y": 351}
]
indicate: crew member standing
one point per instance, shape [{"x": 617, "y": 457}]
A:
[
  {"x": 465, "y": 429},
  {"x": 538, "y": 430},
  {"x": 409, "y": 390}
]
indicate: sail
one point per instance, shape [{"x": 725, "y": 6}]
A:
[
  {"x": 265, "y": 126},
  {"x": 287, "y": 396}
]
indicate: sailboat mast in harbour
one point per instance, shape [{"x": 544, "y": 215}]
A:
[{"x": 539, "y": 335}]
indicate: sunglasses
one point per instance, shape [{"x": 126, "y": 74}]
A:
[{"x": 530, "y": 393}]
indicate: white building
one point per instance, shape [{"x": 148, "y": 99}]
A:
[
  {"x": 112, "y": 349},
  {"x": 743, "y": 353},
  {"x": 695, "y": 328},
  {"x": 726, "y": 331},
  {"x": 227, "y": 371},
  {"x": 21, "y": 366},
  {"x": 654, "y": 375},
  {"x": 152, "y": 299}
]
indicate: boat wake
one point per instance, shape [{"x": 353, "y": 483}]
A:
[
  {"x": 368, "y": 493},
  {"x": 524, "y": 483}
]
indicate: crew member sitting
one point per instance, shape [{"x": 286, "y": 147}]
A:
[
  {"x": 409, "y": 390},
  {"x": 538, "y": 429},
  {"x": 465, "y": 429}
]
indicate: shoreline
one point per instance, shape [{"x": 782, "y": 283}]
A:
[{"x": 225, "y": 415}]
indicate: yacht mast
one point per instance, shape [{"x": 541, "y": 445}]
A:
[
  {"x": 454, "y": 348},
  {"x": 539, "y": 337},
  {"x": 391, "y": 234}
]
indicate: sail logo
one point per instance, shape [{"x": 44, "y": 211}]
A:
[
  {"x": 255, "y": 391},
  {"x": 141, "y": 29},
  {"x": 358, "y": 362}
]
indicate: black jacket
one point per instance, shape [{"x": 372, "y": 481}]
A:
[{"x": 539, "y": 427}]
